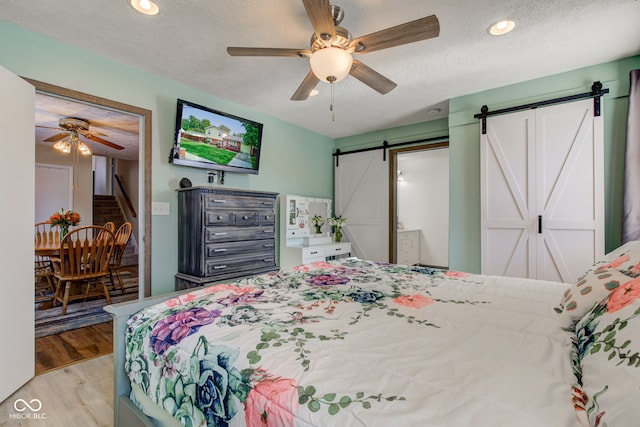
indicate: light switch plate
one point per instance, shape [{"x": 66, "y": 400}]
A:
[{"x": 160, "y": 208}]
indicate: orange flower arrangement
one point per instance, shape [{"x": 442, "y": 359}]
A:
[{"x": 64, "y": 219}]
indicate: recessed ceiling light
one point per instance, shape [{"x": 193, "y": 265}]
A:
[
  {"x": 501, "y": 27},
  {"x": 434, "y": 111},
  {"x": 148, "y": 7}
]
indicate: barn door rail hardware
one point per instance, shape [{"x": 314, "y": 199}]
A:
[
  {"x": 597, "y": 91},
  {"x": 384, "y": 147}
]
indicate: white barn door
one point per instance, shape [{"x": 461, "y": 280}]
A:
[
  {"x": 362, "y": 196},
  {"x": 542, "y": 192},
  {"x": 17, "y": 140}
]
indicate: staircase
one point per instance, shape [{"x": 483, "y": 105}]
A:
[{"x": 105, "y": 209}]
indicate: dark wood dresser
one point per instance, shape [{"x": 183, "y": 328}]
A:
[{"x": 224, "y": 234}]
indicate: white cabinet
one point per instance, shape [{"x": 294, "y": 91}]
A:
[
  {"x": 542, "y": 192},
  {"x": 299, "y": 242},
  {"x": 325, "y": 252},
  {"x": 408, "y": 244}
]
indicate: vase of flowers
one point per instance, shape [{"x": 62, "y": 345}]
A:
[
  {"x": 337, "y": 222},
  {"x": 317, "y": 222},
  {"x": 64, "y": 219}
]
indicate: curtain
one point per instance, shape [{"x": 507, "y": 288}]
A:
[{"x": 631, "y": 198}]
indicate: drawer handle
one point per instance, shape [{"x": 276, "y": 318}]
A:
[
  {"x": 268, "y": 245},
  {"x": 245, "y": 217},
  {"x": 338, "y": 249},
  {"x": 267, "y": 217},
  {"x": 219, "y": 201},
  {"x": 266, "y": 203},
  {"x": 268, "y": 260},
  {"x": 314, "y": 252},
  {"x": 220, "y": 250},
  {"x": 267, "y": 231},
  {"x": 219, "y": 267},
  {"x": 220, "y": 217},
  {"x": 219, "y": 234}
]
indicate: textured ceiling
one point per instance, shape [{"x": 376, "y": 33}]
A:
[
  {"x": 110, "y": 125},
  {"x": 187, "y": 42}
]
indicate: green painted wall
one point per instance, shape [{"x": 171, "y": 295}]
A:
[
  {"x": 464, "y": 147},
  {"x": 288, "y": 148},
  {"x": 293, "y": 160}
]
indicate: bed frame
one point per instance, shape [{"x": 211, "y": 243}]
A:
[{"x": 125, "y": 412}]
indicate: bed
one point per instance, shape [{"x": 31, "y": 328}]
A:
[{"x": 359, "y": 343}]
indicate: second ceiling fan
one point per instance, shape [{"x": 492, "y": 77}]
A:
[{"x": 332, "y": 48}]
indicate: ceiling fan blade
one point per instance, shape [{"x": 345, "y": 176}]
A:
[
  {"x": 49, "y": 127},
  {"x": 371, "y": 78},
  {"x": 319, "y": 12},
  {"x": 267, "y": 51},
  {"x": 103, "y": 141},
  {"x": 409, "y": 32},
  {"x": 57, "y": 137},
  {"x": 305, "y": 88},
  {"x": 92, "y": 132}
]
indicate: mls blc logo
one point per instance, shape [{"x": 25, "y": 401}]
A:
[{"x": 28, "y": 410}]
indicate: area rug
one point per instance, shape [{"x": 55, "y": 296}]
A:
[{"x": 80, "y": 314}]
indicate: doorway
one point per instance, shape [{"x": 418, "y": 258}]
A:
[
  {"x": 419, "y": 205},
  {"x": 142, "y": 166}
]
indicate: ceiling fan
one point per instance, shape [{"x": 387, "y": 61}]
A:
[
  {"x": 72, "y": 128},
  {"x": 332, "y": 48}
]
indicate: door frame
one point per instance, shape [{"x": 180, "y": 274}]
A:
[
  {"x": 145, "y": 116},
  {"x": 393, "y": 193}
]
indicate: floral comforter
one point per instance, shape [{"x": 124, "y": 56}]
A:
[{"x": 357, "y": 343}]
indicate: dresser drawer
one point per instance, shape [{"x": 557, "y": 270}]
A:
[
  {"x": 243, "y": 263},
  {"x": 266, "y": 217},
  {"x": 218, "y": 217},
  {"x": 225, "y": 249},
  {"x": 245, "y": 217},
  {"x": 313, "y": 251},
  {"x": 231, "y": 234},
  {"x": 337, "y": 249},
  {"x": 225, "y": 201}
]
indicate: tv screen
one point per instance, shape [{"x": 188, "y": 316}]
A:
[{"x": 210, "y": 139}]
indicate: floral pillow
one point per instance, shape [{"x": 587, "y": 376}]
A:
[
  {"x": 607, "y": 358},
  {"x": 586, "y": 292},
  {"x": 626, "y": 259}
]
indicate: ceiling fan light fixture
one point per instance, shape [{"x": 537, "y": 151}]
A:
[
  {"x": 84, "y": 149},
  {"x": 147, "y": 7},
  {"x": 501, "y": 27},
  {"x": 63, "y": 146},
  {"x": 331, "y": 64}
]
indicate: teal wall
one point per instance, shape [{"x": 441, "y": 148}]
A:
[
  {"x": 293, "y": 160},
  {"x": 286, "y": 165},
  {"x": 464, "y": 147}
]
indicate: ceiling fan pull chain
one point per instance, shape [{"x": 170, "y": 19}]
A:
[{"x": 333, "y": 114}]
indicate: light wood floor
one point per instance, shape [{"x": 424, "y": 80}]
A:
[{"x": 78, "y": 395}]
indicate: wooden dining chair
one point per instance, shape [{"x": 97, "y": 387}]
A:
[
  {"x": 122, "y": 237},
  {"x": 45, "y": 235},
  {"x": 108, "y": 226},
  {"x": 84, "y": 260}
]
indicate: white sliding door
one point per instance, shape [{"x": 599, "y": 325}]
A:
[
  {"x": 17, "y": 121},
  {"x": 362, "y": 196},
  {"x": 542, "y": 213}
]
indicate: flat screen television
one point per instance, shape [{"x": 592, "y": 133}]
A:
[{"x": 210, "y": 139}]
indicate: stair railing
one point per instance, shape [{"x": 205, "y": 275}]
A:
[{"x": 127, "y": 200}]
